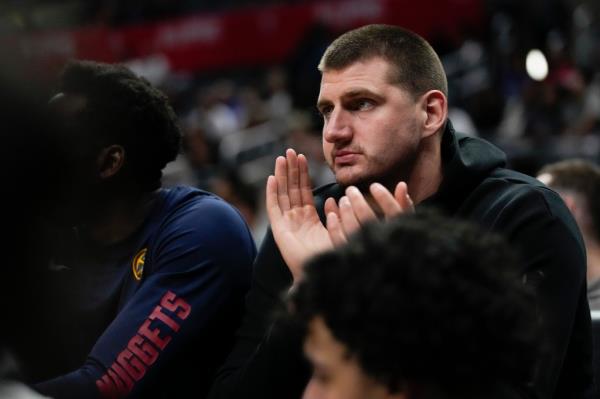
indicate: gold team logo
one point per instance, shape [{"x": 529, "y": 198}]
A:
[{"x": 137, "y": 266}]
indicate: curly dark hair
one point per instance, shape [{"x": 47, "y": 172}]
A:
[
  {"x": 122, "y": 108},
  {"x": 425, "y": 300}
]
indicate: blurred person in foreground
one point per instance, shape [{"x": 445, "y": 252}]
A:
[
  {"x": 145, "y": 293},
  {"x": 578, "y": 183},
  {"x": 26, "y": 173},
  {"x": 428, "y": 308},
  {"x": 383, "y": 99}
]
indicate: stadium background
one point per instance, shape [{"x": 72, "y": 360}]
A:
[{"x": 242, "y": 74}]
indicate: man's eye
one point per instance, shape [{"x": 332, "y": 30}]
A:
[
  {"x": 325, "y": 111},
  {"x": 366, "y": 104},
  {"x": 363, "y": 104}
]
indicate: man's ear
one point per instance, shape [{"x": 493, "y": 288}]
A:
[
  {"x": 110, "y": 161},
  {"x": 435, "y": 111}
]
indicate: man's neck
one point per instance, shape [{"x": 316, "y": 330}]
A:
[
  {"x": 120, "y": 217},
  {"x": 426, "y": 179},
  {"x": 426, "y": 175}
]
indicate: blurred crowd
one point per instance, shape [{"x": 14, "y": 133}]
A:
[
  {"x": 236, "y": 122},
  {"x": 40, "y": 14},
  {"x": 238, "y": 119},
  {"x": 234, "y": 131}
]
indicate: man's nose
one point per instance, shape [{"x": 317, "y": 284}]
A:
[{"x": 338, "y": 126}]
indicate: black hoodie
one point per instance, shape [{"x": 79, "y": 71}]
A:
[{"x": 476, "y": 186}]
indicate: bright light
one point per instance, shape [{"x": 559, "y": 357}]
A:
[{"x": 536, "y": 65}]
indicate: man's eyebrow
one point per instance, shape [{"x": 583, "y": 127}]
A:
[
  {"x": 360, "y": 92},
  {"x": 351, "y": 93}
]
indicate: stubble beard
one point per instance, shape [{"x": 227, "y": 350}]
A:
[{"x": 401, "y": 170}]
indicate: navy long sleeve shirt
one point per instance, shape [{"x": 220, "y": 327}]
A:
[{"x": 154, "y": 315}]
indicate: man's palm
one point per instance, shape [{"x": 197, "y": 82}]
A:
[{"x": 296, "y": 226}]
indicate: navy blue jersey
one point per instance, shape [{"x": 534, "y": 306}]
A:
[{"x": 152, "y": 316}]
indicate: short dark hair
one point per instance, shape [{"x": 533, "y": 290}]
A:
[
  {"x": 122, "y": 108},
  {"x": 428, "y": 300},
  {"x": 416, "y": 66},
  {"x": 579, "y": 176}
]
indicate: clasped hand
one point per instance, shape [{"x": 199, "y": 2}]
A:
[{"x": 295, "y": 223}]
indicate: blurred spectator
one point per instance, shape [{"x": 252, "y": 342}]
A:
[
  {"x": 252, "y": 110},
  {"x": 581, "y": 110},
  {"x": 244, "y": 198},
  {"x": 214, "y": 110},
  {"x": 279, "y": 100},
  {"x": 179, "y": 173},
  {"x": 305, "y": 137},
  {"x": 251, "y": 150},
  {"x": 200, "y": 153},
  {"x": 542, "y": 111},
  {"x": 578, "y": 183}
]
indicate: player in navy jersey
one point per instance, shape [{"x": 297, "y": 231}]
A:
[{"x": 146, "y": 285}]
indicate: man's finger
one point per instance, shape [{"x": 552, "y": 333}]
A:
[
  {"x": 282, "y": 189},
  {"x": 386, "y": 201},
  {"x": 360, "y": 206},
  {"x": 349, "y": 221},
  {"x": 402, "y": 197},
  {"x": 331, "y": 206},
  {"x": 293, "y": 178},
  {"x": 335, "y": 230},
  {"x": 272, "y": 204},
  {"x": 305, "y": 185}
]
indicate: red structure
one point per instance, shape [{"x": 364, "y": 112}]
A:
[{"x": 257, "y": 36}]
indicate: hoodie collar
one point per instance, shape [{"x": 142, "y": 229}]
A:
[{"x": 466, "y": 161}]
